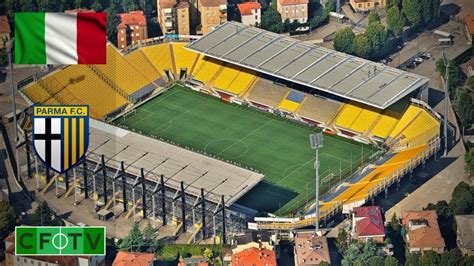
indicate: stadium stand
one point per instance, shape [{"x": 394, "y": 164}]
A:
[
  {"x": 141, "y": 62},
  {"x": 416, "y": 127},
  {"x": 266, "y": 94},
  {"x": 76, "y": 84},
  {"x": 292, "y": 101},
  {"x": 183, "y": 58},
  {"x": 160, "y": 56},
  {"x": 119, "y": 71},
  {"x": 318, "y": 110},
  {"x": 207, "y": 69},
  {"x": 234, "y": 79},
  {"x": 385, "y": 124}
]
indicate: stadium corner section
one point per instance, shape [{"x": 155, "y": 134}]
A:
[{"x": 417, "y": 141}]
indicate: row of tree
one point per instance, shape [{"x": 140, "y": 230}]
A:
[
  {"x": 370, "y": 45},
  {"x": 355, "y": 252}
]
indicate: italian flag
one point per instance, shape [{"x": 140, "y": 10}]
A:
[{"x": 60, "y": 38}]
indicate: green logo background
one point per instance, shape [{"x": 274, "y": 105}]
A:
[{"x": 59, "y": 240}]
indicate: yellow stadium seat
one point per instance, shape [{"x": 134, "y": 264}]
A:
[
  {"x": 207, "y": 70},
  {"x": 183, "y": 58},
  {"x": 121, "y": 72},
  {"x": 385, "y": 125},
  {"x": 160, "y": 56},
  {"x": 347, "y": 115},
  {"x": 139, "y": 60}
]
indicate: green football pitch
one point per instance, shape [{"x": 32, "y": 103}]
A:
[{"x": 277, "y": 147}]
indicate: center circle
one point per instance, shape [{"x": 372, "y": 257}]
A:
[
  {"x": 227, "y": 148},
  {"x": 60, "y": 236}
]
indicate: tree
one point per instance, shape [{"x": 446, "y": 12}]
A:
[
  {"x": 374, "y": 17},
  {"x": 470, "y": 82},
  {"x": 112, "y": 22},
  {"x": 7, "y": 218},
  {"x": 133, "y": 241},
  {"x": 148, "y": 235},
  {"x": 208, "y": 254},
  {"x": 395, "y": 223},
  {"x": 271, "y": 21},
  {"x": 390, "y": 261},
  {"x": 429, "y": 258},
  {"x": 395, "y": 21},
  {"x": 343, "y": 40},
  {"x": 464, "y": 107},
  {"x": 44, "y": 216},
  {"x": 412, "y": 11},
  {"x": 377, "y": 38},
  {"x": 469, "y": 159},
  {"x": 453, "y": 72},
  {"x": 462, "y": 200},
  {"x": 452, "y": 257},
  {"x": 341, "y": 241},
  {"x": 375, "y": 261},
  {"x": 411, "y": 259},
  {"x": 361, "y": 46}
]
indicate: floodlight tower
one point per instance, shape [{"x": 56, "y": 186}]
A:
[
  {"x": 316, "y": 141},
  {"x": 446, "y": 98}
]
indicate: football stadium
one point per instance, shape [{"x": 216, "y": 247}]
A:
[{"x": 211, "y": 134}]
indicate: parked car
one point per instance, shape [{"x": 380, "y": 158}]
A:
[
  {"x": 389, "y": 59},
  {"x": 425, "y": 55},
  {"x": 418, "y": 59},
  {"x": 411, "y": 65}
]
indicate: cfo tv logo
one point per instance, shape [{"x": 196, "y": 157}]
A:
[{"x": 59, "y": 240}]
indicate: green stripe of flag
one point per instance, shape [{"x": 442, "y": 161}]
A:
[{"x": 30, "y": 46}]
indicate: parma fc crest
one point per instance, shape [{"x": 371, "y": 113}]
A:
[{"x": 60, "y": 134}]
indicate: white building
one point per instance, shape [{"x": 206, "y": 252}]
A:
[{"x": 250, "y": 13}]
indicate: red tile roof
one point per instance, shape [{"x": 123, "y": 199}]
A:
[
  {"x": 255, "y": 257},
  {"x": 293, "y": 2},
  {"x": 136, "y": 259},
  {"x": 131, "y": 18},
  {"x": 421, "y": 236},
  {"x": 469, "y": 19},
  {"x": 246, "y": 8},
  {"x": 369, "y": 221},
  {"x": 167, "y": 3},
  {"x": 4, "y": 27},
  {"x": 311, "y": 249}
]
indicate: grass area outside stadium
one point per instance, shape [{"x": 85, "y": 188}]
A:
[{"x": 275, "y": 146}]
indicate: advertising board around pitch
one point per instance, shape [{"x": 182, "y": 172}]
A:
[{"x": 59, "y": 240}]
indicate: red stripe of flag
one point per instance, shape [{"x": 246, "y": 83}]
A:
[{"x": 91, "y": 38}]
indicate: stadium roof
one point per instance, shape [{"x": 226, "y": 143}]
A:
[
  {"x": 175, "y": 163},
  {"x": 327, "y": 70}
]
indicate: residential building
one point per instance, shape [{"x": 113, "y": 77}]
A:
[
  {"x": 174, "y": 16},
  {"x": 250, "y": 13},
  {"x": 252, "y": 239},
  {"x": 469, "y": 20},
  {"x": 465, "y": 233},
  {"x": 4, "y": 31},
  {"x": 367, "y": 223},
  {"x": 367, "y": 5},
  {"x": 15, "y": 260},
  {"x": 254, "y": 257},
  {"x": 131, "y": 29},
  {"x": 133, "y": 258},
  {"x": 212, "y": 14},
  {"x": 293, "y": 10},
  {"x": 422, "y": 231},
  {"x": 311, "y": 249},
  {"x": 182, "y": 18}
]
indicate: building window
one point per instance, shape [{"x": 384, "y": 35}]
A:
[
  {"x": 121, "y": 39},
  {"x": 256, "y": 17}
]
